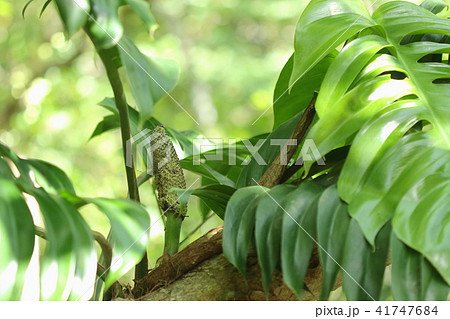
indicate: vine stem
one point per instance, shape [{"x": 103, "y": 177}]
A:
[
  {"x": 108, "y": 58},
  {"x": 172, "y": 233}
]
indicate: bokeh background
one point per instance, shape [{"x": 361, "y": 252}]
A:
[{"x": 230, "y": 53}]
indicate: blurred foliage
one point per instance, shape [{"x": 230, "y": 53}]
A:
[{"x": 230, "y": 54}]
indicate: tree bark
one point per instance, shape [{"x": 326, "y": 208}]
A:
[{"x": 201, "y": 272}]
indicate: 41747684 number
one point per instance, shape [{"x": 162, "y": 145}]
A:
[{"x": 407, "y": 310}]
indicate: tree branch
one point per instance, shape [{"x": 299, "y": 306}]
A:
[
  {"x": 207, "y": 246},
  {"x": 201, "y": 272},
  {"x": 274, "y": 173}
]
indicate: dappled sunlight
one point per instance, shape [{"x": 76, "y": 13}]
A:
[
  {"x": 117, "y": 263},
  {"x": 58, "y": 121},
  {"x": 389, "y": 89},
  {"x": 8, "y": 275},
  {"x": 38, "y": 91},
  {"x": 49, "y": 280},
  {"x": 31, "y": 282},
  {"x": 82, "y": 286},
  {"x": 387, "y": 129}
]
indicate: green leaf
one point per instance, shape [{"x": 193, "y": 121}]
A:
[
  {"x": 345, "y": 68},
  {"x": 299, "y": 233},
  {"x": 332, "y": 225},
  {"x": 226, "y": 159},
  {"x": 44, "y": 7},
  {"x": 352, "y": 111},
  {"x": 433, "y": 285},
  {"x": 383, "y": 166},
  {"x": 205, "y": 210},
  {"x": 184, "y": 139},
  {"x": 68, "y": 265},
  {"x": 413, "y": 277},
  {"x": 16, "y": 240},
  {"x": 289, "y": 101},
  {"x": 405, "y": 271},
  {"x": 413, "y": 157},
  {"x": 84, "y": 251},
  {"x": 381, "y": 64},
  {"x": 74, "y": 14},
  {"x": 403, "y": 18},
  {"x": 143, "y": 11},
  {"x": 19, "y": 164},
  {"x": 268, "y": 152},
  {"x": 269, "y": 218},
  {"x": 110, "y": 122},
  {"x": 324, "y": 25},
  {"x": 25, "y": 8},
  {"x": 373, "y": 140},
  {"x": 364, "y": 269},
  {"x": 150, "y": 78},
  {"x": 214, "y": 196},
  {"x": 238, "y": 225},
  {"x": 343, "y": 112},
  {"x": 434, "y": 6},
  {"x": 130, "y": 224},
  {"x": 50, "y": 177},
  {"x": 421, "y": 220},
  {"x": 5, "y": 172},
  {"x": 58, "y": 262},
  {"x": 109, "y": 103},
  {"x": 105, "y": 29},
  {"x": 206, "y": 171}
]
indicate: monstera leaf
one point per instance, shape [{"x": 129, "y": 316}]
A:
[
  {"x": 73, "y": 14},
  {"x": 68, "y": 264},
  {"x": 386, "y": 94}
]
